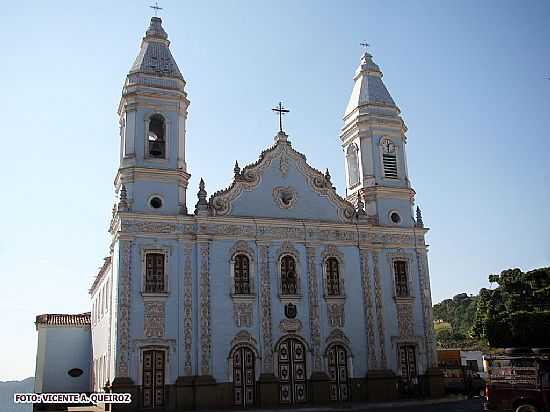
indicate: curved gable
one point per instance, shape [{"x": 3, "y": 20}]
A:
[{"x": 282, "y": 185}]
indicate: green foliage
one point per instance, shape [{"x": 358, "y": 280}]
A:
[{"x": 517, "y": 312}]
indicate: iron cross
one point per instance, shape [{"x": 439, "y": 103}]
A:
[
  {"x": 281, "y": 110},
  {"x": 156, "y": 7},
  {"x": 365, "y": 45}
]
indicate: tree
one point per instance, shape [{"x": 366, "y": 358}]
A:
[{"x": 517, "y": 312}]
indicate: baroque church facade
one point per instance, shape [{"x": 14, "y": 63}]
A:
[{"x": 273, "y": 291}]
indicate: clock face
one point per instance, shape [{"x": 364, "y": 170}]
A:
[{"x": 388, "y": 146}]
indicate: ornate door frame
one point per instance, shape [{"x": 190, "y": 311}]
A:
[
  {"x": 338, "y": 371},
  {"x": 292, "y": 370},
  {"x": 244, "y": 376}
]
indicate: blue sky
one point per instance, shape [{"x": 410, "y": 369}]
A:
[{"x": 470, "y": 77}]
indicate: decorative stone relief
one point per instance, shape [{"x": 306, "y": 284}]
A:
[
  {"x": 148, "y": 227},
  {"x": 188, "y": 309},
  {"x": 204, "y": 294},
  {"x": 290, "y": 326},
  {"x": 405, "y": 319},
  {"x": 285, "y": 197},
  {"x": 283, "y": 165},
  {"x": 265, "y": 304},
  {"x": 314, "y": 321},
  {"x": 124, "y": 307},
  {"x": 379, "y": 313},
  {"x": 242, "y": 313},
  {"x": 337, "y": 336},
  {"x": 154, "y": 319},
  {"x": 426, "y": 302},
  {"x": 336, "y": 315},
  {"x": 368, "y": 308},
  {"x": 289, "y": 233},
  {"x": 243, "y": 337}
]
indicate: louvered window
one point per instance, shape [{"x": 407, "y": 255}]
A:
[
  {"x": 390, "y": 165},
  {"x": 242, "y": 275},
  {"x": 154, "y": 273},
  {"x": 353, "y": 165},
  {"x": 401, "y": 281}
]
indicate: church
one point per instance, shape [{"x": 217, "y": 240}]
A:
[{"x": 274, "y": 291}]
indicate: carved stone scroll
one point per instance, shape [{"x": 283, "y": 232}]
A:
[
  {"x": 204, "y": 292},
  {"x": 188, "y": 310},
  {"x": 314, "y": 322},
  {"x": 265, "y": 304}
]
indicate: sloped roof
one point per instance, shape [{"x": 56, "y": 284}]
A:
[
  {"x": 102, "y": 271},
  {"x": 55, "y": 319},
  {"x": 368, "y": 87}
]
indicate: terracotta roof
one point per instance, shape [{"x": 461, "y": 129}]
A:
[
  {"x": 106, "y": 263},
  {"x": 80, "y": 319}
]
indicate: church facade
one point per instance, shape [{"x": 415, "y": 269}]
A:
[{"x": 272, "y": 291}]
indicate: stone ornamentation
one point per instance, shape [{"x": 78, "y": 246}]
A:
[
  {"x": 148, "y": 227},
  {"x": 336, "y": 315},
  {"x": 188, "y": 310},
  {"x": 204, "y": 295},
  {"x": 242, "y": 313},
  {"x": 314, "y": 321},
  {"x": 124, "y": 307},
  {"x": 243, "y": 337},
  {"x": 379, "y": 312},
  {"x": 154, "y": 319},
  {"x": 290, "y": 326},
  {"x": 405, "y": 319},
  {"x": 368, "y": 308},
  {"x": 283, "y": 165},
  {"x": 265, "y": 310},
  {"x": 285, "y": 197}
]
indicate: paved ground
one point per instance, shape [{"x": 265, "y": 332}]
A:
[{"x": 471, "y": 405}]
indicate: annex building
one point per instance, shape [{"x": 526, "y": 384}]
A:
[{"x": 273, "y": 291}]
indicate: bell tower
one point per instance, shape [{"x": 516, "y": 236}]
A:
[
  {"x": 152, "y": 174},
  {"x": 373, "y": 139}
]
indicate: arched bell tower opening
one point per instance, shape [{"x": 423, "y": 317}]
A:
[{"x": 156, "y": 137}]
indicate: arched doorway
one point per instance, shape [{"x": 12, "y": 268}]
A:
[
  {"x": 338, "y": 373},
  {"x": 244, "y": 379},
  {"x": 292, "y": 372}
]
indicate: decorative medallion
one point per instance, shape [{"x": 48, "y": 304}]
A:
[
  {"x": 290, "y": 311},
  {"x": 285, "y": 197},
  {"x": 242, "y": 312},
  {"x": 290, "y": 326}
]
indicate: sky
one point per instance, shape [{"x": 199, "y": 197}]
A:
[{"x": 470, "y": 78}]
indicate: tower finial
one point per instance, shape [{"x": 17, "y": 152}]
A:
[
  {"x": 281, "y": 111},
  {"x": 201, "y": 207},
  {"x": 360, "y": 205},
  {"x": 123, "y": 199},
  {"x": 237, "y": 169},
  {"x": 419, "y": 221}
]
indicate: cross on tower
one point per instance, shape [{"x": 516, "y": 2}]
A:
[
  {"x": 365, "y": 45},
  {"x": 156, "y": 7},
  {"x": 281, "y": 110}
]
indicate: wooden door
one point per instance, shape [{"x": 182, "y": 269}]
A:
[
  {"x": 292, "y": 372},
  {"x": 244, "y": 379},
  {"x": 153, "y": 379},
  {"x": 338, "y": 373}
]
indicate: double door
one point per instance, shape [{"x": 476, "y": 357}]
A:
[
  {"x": 292, "y": 372},
  {"x": 338, "y": 373},
  {"x": 153, "y": 379},
  {"x": 243, "y": 377}
]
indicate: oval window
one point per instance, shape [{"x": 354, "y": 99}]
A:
[
  {"x": 395, "y": 218},
  {"x": 155, "y": 202},
  {"x": 75, "y": 372}
]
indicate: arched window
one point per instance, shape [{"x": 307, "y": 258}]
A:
[
  {"x": 156, "y": 137},
  {"x": 333, "y": 277},
  {"x": 154, "y": 273},
  {"x": 242, "y": 275},
  {"x": 353, "y": 165},
  {"x": 289, "y": 279},
  {"x": 401, "y": 279}
]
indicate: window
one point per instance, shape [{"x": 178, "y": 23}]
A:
[
  {"x": 395, "y": 218},
  {"x": 242, "y": 275},
  {"x": 472, "y": 365},
  {"x": 389, "y": 158},
  {"x": 156, "y": 137},
  {"x": 154, "y": 273},
  {"x": 333, "y": 277},
  {"x": 353, "y": 165},
  {"x": 155, "y": 202},
  {"x": 289, "y": 279},
  {"x": 401, "y": 282}
]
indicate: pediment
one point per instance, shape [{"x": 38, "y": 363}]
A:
[{"x": 281, "y": 185}]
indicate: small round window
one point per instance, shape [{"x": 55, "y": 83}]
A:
[
  {"x": 75, "y": 372},
  {"x": 395, "y": 218},
  {"x": 155, "y": 202}
]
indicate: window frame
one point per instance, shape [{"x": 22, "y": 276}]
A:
[
  {"x": 384, "y": 139},
  {"x": 287, "y": 249},
  {"x": 352, "y": 153},
  {"x": 332, "y": 252},
  {"x": 408, "y": 259},
  {"x": 150, "y": 250},
  {"x": 241, "y": 247}
]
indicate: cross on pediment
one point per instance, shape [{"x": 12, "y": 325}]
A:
[{"x": 281, "y": 111}]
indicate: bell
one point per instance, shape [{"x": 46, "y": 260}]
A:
[{"x": 155, "y": 149}]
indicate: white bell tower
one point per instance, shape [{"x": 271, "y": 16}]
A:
[
  {"x": 153, "y": 111},
  {"x": 373, "y": 139}
]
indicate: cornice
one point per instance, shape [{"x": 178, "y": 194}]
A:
[{"x": 132, "y": 173}]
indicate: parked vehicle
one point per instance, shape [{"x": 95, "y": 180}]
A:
[{"x": 518, "y": 382}]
